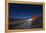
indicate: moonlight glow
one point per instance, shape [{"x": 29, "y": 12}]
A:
[{"x": 29, "y": 19}]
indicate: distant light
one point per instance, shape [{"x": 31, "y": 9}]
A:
[{"x": 29, "y": 19}]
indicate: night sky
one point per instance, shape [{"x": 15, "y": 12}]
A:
[{"x": 24, "y": 11}]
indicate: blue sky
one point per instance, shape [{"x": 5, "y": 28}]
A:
[{"x": 21, "y": 11}]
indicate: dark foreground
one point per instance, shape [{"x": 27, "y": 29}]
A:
[{"x": 24, "y": 24}]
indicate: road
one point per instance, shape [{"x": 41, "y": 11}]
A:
[
  {"x": 21, "y": 24},
  {"x": 25, "y": 24}
]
